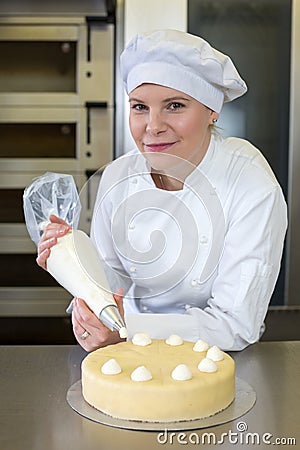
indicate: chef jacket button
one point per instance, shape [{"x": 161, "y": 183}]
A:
[
  {"x": 132, "y": 269},
  {"x": 203, "y": 240},
  {"x": 131, "y": 226},
  {"x": 144, "y": 308},
  {"x": 194, "y": 283}
]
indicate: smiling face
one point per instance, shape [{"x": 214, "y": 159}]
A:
[{"x": 164, "y": 121}]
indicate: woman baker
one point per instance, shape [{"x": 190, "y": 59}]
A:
[{"x": 190, "y": 225}]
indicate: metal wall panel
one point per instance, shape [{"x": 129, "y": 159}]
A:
[{"x": 293, "y": 241}]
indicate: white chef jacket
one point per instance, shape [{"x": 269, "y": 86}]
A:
[{"x": 201, "y": 262}]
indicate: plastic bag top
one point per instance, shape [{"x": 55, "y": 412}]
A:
[{"x": 51, "y": 193}]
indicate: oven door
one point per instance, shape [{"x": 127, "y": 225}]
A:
[
  {"x": 56, "y": 61},
  {"x": 57, "y": 139}
]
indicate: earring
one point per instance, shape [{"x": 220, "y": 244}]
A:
[{"x": 215, "y": 120}]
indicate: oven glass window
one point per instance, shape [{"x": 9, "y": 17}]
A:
[
  {"x": 11, "y": 206},
  {"x": 37, "y": 140},
  {"x": 29, "y": 66},
  {"x": 25, "y": 271}
]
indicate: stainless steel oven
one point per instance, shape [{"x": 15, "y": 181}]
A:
[{"x": 57, "y": 114}]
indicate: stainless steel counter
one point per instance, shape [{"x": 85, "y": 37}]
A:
[{"x": 34, "y": 414}]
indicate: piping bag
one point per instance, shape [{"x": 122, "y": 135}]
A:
[{"x": 74, "y": 261}]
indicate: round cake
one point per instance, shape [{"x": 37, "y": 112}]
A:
[{"x": 158, "y": 381}]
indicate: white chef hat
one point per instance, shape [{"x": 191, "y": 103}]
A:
[{"x": 183, "y": 62}]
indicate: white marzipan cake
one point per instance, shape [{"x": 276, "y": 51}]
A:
[{"x": 158, "y": 381}]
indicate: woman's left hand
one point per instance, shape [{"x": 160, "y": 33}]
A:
[{"x": 86, "y": 323}]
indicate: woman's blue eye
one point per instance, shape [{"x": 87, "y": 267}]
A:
[
  {"x": 175, "y": 105},
  {"x": 139, "y": 107}
]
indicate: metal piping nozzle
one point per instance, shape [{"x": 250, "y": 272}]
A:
[{"x": 110, "y": 316}]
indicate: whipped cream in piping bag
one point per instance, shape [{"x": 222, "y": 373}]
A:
[
  {"x": 75, "y": 265},
  {"x": 74, "y": 261}
]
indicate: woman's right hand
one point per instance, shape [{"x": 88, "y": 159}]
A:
[
  {"x": 55, "y": 229},
  {"x": 85, "y": 321}
]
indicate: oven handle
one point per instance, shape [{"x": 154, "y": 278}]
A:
[
  {"x": 89, "y": 106},
  {"x": 100, "y": 20}
]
